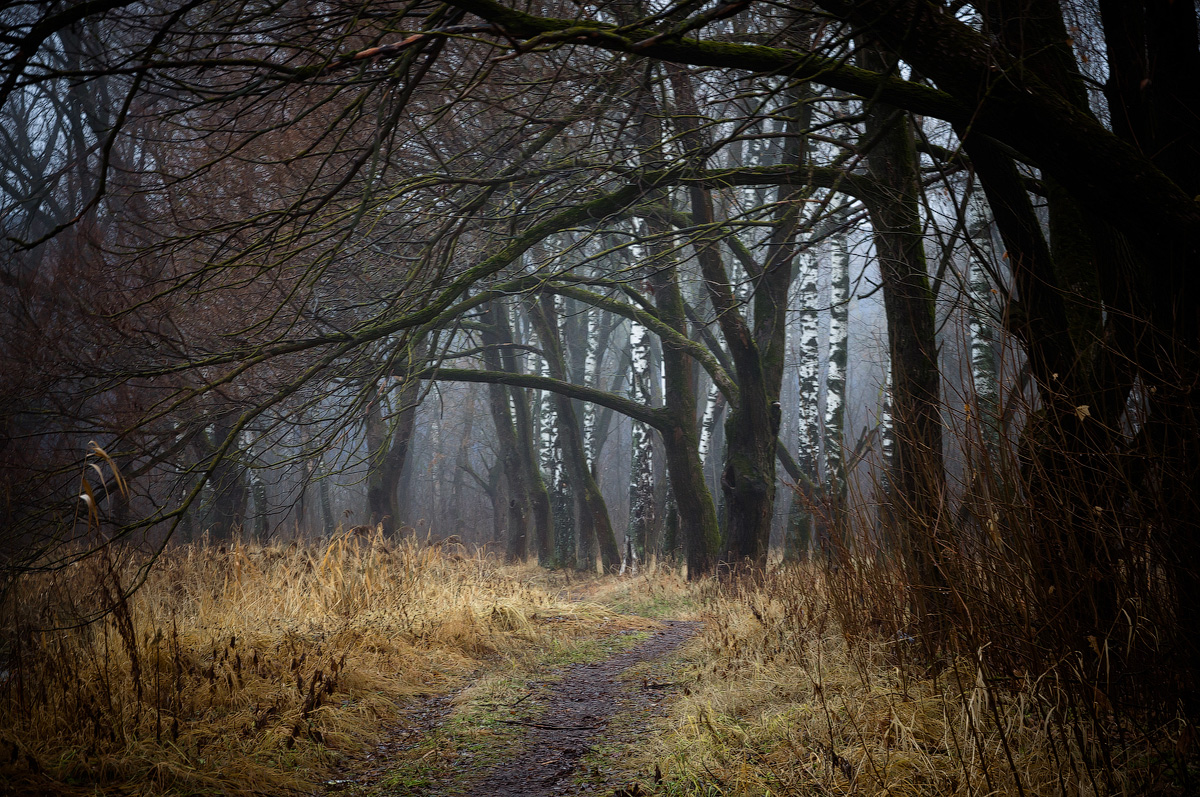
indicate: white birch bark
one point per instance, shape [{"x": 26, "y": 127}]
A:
[
  {"x": 641, "y": 476},
  {"x": 712, "y": 408},
  {"x": 550, "y": 460},
  {"x": 591, "y": 370},
  {"x": 887, "y": 429},
  {"x": 835, "y": 378},
  {"x": 800, "y": 521}
]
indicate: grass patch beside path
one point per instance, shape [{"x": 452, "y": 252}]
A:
[
  {"x": 664, "y": 594},
  {"x": 780, "y": 699},
  {"x": 241, "y": 669}
]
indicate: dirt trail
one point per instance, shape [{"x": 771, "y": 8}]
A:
[{"x": 575, "y": 716}]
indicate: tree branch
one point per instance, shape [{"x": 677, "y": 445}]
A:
[{"x": 651, "y": 416}]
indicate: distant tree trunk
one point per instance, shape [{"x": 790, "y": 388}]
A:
[
  {"x": 835, "y": 388},
  {"x": 550, "y": 461},
  {"x": 662, "y": 489},
  {"x": 540, "y": 522},
  {"x": 462, "y": 461},
  {"x": 982, "y": 318},
  {"x": 509, "y": 448},
  {"x": 258, "y": 493},
  {"x": 313, "y": 472},
  {"x": 887, "y": 427},
  {"x": 328, "y": 524},
  {"x": 389, "y": 439},
  {"x": 798, "y": 536},
  {"x": 541, "y": 514},
  {"x": 887, "y": 453},
  {"x": 595, "y": 528},
  {"x": 227, "y": 509},
  {"x": 498, "y": 492},
  {"x": 591, "y": 371},
  {"x": 641, "y": 475}
]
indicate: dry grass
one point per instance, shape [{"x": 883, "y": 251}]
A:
[
  {"x": 245, "y": 669},
  {"x": 262, "y": 669},
  {"x": 782, "y": 702},
  {"x": 660, "y": 593}
]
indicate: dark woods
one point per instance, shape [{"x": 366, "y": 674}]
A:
[{"x": 597, "y": 285}]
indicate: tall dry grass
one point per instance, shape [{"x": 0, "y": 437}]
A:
[
  {"x": 784, "y": 698},
  {"x": 240, "y": 668}
]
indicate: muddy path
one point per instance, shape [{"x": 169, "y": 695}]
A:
[
  {"x": 575, "y": 718},
  {"x": 567, "y": 734}
]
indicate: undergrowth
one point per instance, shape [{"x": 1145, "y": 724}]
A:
[
  {"x": 243, "y": 668},
  {"x": 782, "y": 699},
  {"x": 249, "y": 669}
]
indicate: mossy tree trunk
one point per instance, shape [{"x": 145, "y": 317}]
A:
[{"x": 756, "y": 344}]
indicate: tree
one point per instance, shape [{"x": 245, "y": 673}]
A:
[
  {"x": 389, "y": 438},
  {"x": 596, "y": 544},
  {"x": 918, "y": 473},
  {"x": 413, "y": 187},
  {"x": 835, "y": 388},
  {"x": 641, "y": 478}
]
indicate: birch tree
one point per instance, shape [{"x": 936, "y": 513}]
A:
[
  {"x": 550, "y": 460},
  {"x": 835, "y": 387},
  {"x": 641, "y": 476},
  {"x": 808, "y": 447},
  {"x": 596, "y": 544}
]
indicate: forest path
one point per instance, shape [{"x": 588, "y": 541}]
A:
[
  {"x": 592, "y": 707},
  {"x": 564, "y": 726}
]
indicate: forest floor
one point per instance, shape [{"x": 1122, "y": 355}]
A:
[
  {"x": 553, "y": 728},
  {"x": 567, "y": 718},
  {"x": 385, "y": 668}
]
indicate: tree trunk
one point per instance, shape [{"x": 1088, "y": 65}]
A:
[
  {"x": 982, "y": 316},
  {"x": 509, "y": 447},
  {"x": 461, "y": 463},
  {"x": 389, "y": 439},
  {"x": 540, "y": 522},
  {"x": 595, "y": 528},
  {"x": 835, "y": 392},
  {"x": 641, "y": 471},
  {"x": 918, "y": 476},
  {"x": 752, "y": 428},
  {"x": 798, "y": 535},
  {"x": 228, "y": 482},
  {"x": 550, "y": 462}
]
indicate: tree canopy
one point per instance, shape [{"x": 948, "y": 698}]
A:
[{"x": 230, "y": 226}]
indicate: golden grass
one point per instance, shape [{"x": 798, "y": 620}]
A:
[
  {"x": 661, "y": 593},
  {"x": 249, "y": 669},
  {"x": 780, "y": 701},
  {"x": 245, "y": 668}
]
